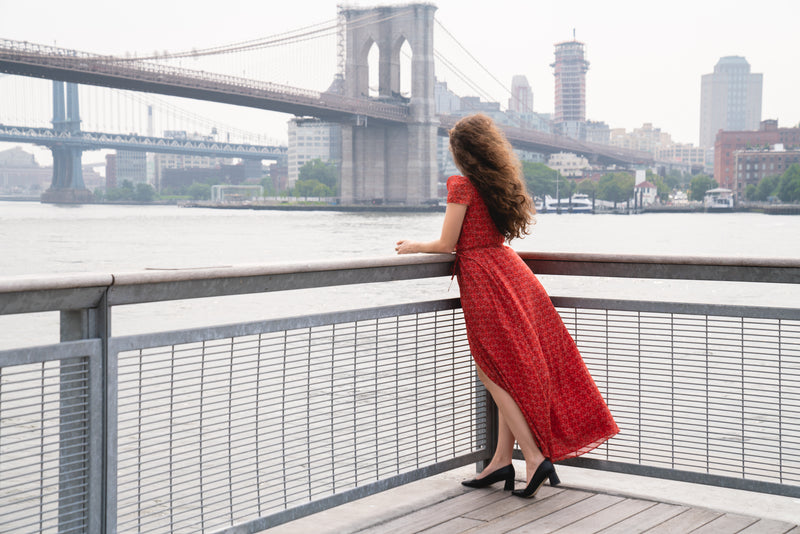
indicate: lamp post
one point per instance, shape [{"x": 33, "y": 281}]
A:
[{"x": 558, "y": 197}]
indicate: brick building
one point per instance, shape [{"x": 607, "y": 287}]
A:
[
  {"x": 728, "y": 143},
  {"x": 754, "y": 165}
]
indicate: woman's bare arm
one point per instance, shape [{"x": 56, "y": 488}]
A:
[{"x": 451, "y": 229}]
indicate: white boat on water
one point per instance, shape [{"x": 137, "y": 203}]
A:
[
  {"x": 578, "y": 203},
  {"x": 719, "y": 199}
]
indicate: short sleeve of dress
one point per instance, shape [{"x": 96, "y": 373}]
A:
[{"x": 459, "y": 190}]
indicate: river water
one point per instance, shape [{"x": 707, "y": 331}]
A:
[{"x": 50, "y": 239}]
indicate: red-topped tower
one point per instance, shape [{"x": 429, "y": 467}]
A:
[{"x": 570, "y": 70}]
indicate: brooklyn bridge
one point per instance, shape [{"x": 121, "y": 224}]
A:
[{"x": 388, "y": 142}]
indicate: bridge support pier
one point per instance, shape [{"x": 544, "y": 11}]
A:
[
  {"x": 67, "y": 186},
  {"x": 382, "y": 162}
]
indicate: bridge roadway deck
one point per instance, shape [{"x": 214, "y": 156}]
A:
[{"x": 586, "y": 502}]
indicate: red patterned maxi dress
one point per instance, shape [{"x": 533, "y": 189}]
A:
[{"x": 518, "y": 339}]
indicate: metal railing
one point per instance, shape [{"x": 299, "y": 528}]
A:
[{"x": 235, "y": 428}]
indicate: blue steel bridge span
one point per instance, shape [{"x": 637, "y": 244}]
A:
[
  {"x": 83, "y": 140},
  {"x": 30, "y": 59}
]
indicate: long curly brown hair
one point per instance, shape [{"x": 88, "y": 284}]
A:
[{"x": 482, "y": 153}]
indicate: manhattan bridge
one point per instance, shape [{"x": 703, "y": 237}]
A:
[{"x": 388, "y": 116}]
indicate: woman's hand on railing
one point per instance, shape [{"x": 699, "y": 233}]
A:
[{"x": 406, "y": 246}]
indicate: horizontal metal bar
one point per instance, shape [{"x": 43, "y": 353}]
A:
[
  {"x": 155, "y": 286},
  {"x": 49, "y": 353},
  {"x": 143, "y": 341},
  {"x": 33, "y": 294},
  {"x": 685, "y": 476},
  {"x": 682, "y": 308},
  {"x": 313, "y": 507},
  {"x": 783, "y": 271}
]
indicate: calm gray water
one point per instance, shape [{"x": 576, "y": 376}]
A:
[{"x": 46, "y": 239}]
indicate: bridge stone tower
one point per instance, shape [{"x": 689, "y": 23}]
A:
[
  {"x": 67, "y": 185},
  {"x": 390, "y": 162}
]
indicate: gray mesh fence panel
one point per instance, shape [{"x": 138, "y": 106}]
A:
[
  {"x": 222, "y": 431},
  {"x": 717, "y": 395},
  {"x": 43, "y": 434}
]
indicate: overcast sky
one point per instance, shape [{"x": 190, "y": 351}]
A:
[{"x": 646, "y": 58}]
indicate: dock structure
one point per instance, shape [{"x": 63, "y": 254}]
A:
[{"x": 206, "y": 423}]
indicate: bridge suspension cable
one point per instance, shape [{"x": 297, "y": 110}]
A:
[
  {"x": 468, "y": 80},
  {"x": 487, "y": 71},
  {"x": 462, "y": 76},
  {"x": 305, "y": 33}
]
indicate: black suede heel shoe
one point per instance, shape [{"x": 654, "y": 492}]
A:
[
  {"x": 545, "y": 470},
  {"x": 504, "y": 473}
]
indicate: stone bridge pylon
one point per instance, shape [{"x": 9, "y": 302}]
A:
[
  {"x": 67, "y": 185},
  {"x": 391, "y": 163}
]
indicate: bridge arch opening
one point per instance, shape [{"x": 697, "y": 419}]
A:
[
  {"x": 403, "y": 59},
  {"x": 373, "y": 68}
]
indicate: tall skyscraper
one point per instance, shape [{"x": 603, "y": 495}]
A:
[
  {"x": 521, "y": 100},
  {"x": 570, "y": 70},
  {"x": 730, "y": 99}
]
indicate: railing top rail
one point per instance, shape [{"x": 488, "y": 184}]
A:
[
  {"x": 56, "y": 292},
  {"x": 721, "y": 261}
]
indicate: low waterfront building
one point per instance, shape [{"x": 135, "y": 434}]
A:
[{"x": 646, "y": 192}]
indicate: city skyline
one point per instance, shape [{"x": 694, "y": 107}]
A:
[{"x": 639, "y": 73}]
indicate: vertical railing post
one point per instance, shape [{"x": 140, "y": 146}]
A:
[
  {"x": 491, "y": 422},
  {"x": 87, "y": 442}
]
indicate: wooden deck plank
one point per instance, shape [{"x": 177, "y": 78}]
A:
[
  {"x": 438, "y": 513},
  {"x": 455, "y": 525},
  {"x": 768, "y": 526},
  {"x": 726, "y": 523},
  {"x": 570, "y": 514},
  {"x": 645, "y": 519},
  {"x": 609, "y": 516},
  {"x": 688, "y": 521},
  {"x": 533, "y": 511},
  {"x": 504, "y": 507}
]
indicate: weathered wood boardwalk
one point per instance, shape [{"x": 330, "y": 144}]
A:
[
  {"x": 586, "y": 502},
  {"x": 570, "y": 511}
]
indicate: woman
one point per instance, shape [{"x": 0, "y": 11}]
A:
[{"x": 546, "y": 399}]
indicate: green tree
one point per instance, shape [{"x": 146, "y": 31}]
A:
[
  {"x": 587, "y": 187},
  {"x": 321, "y": 190},
  {"x": 310, "y": 188},
  {"x": 789, "y": 186},
  {"x": 124, "y": 192},
  {"x": 323, "y": 172},
  {"x": 540, "y": 180},
  {"x": 674, "y": 179},
  {"x": 144, "y": 193},
  {"x": 268, "y": 185},
  {"x": 767, "y": 187},
  {"x": 700, "y": 184},
  {"x": 750, "y": 192},
  {"x": 615, "y": 187},
  {"x": 199, "y": 191}
]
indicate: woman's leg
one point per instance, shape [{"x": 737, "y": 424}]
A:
[
  {"x": 515, "y": 421},
  {"x": 504, "y": 452}
]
